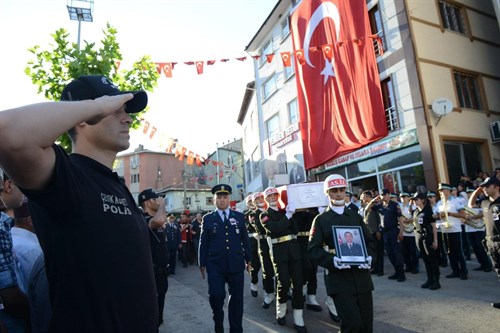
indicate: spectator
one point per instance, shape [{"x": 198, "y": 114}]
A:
[
  {"x": 15, "y": 316},
  {"x": 195, "y": 234},
  {"x": 32, "y": 267},
  {"x": 186, "y": 240},
  {"x": 92, "y": 233},
  {"x": 173, "y": 232}
]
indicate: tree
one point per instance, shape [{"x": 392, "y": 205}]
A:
[{"x": 55, "y": 67}]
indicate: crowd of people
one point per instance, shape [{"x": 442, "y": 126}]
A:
[{"x": 102, "y": 261}]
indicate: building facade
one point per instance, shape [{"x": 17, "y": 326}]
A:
[{"x": 433, "y": 52}]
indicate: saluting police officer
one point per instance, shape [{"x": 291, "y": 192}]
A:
[
  {"x": 282, "y": 232},
  {"x": 224, "y": 250},
  {"x": 349, "y": 286},
  {"x": 265, "y": 257},
  {"x": 254, "y": 245}
]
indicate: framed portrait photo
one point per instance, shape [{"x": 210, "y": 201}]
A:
[{"x": 350, "y": 244}]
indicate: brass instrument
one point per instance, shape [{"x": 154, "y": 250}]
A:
[
  {"x": 444, "y": 202},
  {"x": 475, "y": 223}
]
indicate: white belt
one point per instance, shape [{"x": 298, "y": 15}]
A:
[
  {"x": 253, "y": 234},
  {"x": 283, "y": 239},
  {"x": 303, "y": 233}
]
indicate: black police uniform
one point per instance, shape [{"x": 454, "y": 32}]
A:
[
  {"x": 160, "y": 256},
  {"x": 424, "y": 238},
  {"x": 254, "y": 248}
]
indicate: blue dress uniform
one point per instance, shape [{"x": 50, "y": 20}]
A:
[{"x": 224, "y": 249}]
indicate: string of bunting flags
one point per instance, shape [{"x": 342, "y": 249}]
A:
[
  {"x": 167, "y": 68},
  {"x": 171, "y": 146}
]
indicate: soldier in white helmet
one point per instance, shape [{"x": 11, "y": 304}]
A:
[
  {"x": 349, "y": 286},
  {"x": 282, "y": 230},
  {"x": 254, "y": 246}
]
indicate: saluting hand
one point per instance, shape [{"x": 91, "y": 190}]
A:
[{"x": 108, "y": 105}]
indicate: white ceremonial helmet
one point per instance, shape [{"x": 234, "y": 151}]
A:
[
  {"x": 270, "y": 190},
  {"x": 248, "y": 199},
  {"x": 334, "y": 181}
]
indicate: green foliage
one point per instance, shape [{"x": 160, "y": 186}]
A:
[{"x": 53, "y": 68}]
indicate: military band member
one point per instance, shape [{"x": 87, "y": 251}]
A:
[
  {"x": 254, "y": 245},
  {"x": 442, "y": 252},
  {"x": 350, "y": 287},
  {"x": 282, "y": 231},
  {"x": 372, "y": 220},
  {"x": 426, "y": 238},
  {"x": 224, "y": 253},
  {"x": 410, "y": 254},
  {"x": 264, "y": 255},
  {"x": 491, "y": 211},
  {"x": 451, "y": 211}
]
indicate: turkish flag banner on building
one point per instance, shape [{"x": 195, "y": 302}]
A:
[
  {"x": 285, "y": 56},
  {"x": 340, "y": 100}
]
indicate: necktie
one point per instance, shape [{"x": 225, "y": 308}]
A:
[{"x": 225, "y": 217}]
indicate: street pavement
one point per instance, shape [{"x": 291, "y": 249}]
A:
[{"x": 399, "y": 307}]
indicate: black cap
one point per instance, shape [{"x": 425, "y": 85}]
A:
[
  {"x": 419, "y": 195},
  {"x": 385, "y": 191},
  {"x": 146, "y": 195},
  {"x": 222, "y": 188},
  {"x": 490, "y": 181},
  {"x": 95, "y": 86}
]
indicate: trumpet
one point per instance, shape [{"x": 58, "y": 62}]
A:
[{"x": 444, "y": 202}]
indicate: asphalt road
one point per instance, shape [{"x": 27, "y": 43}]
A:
[{"x": 399, "y": 307}]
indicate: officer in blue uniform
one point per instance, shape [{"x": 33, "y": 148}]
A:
[{"x": 224, "y": 254}]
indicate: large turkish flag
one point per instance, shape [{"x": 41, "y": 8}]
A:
[{"x": 340, "y": 100}]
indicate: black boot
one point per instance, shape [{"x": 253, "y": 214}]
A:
[
  {"x": 393, "y": 276},
  {"x": 401, "y": 274},
  {"x": 426, "y": 284},
  {"x": 435, "y": 283}
]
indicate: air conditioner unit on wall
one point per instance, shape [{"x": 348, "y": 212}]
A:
[{"x": 495, "y": 131}]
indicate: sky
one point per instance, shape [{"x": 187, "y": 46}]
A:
[{"x": 198, "y": 110}]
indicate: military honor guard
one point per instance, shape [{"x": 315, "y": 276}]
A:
[
  {"x": 410, "y": 254},
  {"x": 224, "y": 254},
  {"x": 349, "y": 286},
  {"x": 282, "y": 232},
  {"x": 254, "y": 244},
  {"x": 264, "y": 255}
]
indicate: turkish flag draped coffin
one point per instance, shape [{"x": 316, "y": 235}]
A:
[{"x": 339, "y": 96}]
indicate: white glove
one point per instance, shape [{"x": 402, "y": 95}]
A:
[
  {"x": 368, "y": 264},
  {"x": 290, "y": 209},
  {"x": 321, "y": 209},
  {"x": 337, "y": 262}
]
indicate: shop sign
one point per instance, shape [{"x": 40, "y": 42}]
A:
[{"x": 380, "y": 147}]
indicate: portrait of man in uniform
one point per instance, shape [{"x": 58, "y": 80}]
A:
[{"x": 349, "y": 241}]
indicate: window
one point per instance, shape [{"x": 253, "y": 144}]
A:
[
  {"x": 269, "y": 87},
  {"x": 293, "y": 112},
  {"x": 391, "y": 115},
  {"x": 462, "y": 158},
  {"x": 255, "y": 162},
  {"x": 210, "y": 201},
  {"x": 188, "y": 201},
  {"x": 467, "y": 90},
  {"x": 285, "y": 29},
  {"x": 377, "y": 28},
  {"x": 134, "y": 178},
  {"x": 267, "y": 49},
  {"x": 289, "y": 71},
  {"x": 273, "y": 126},
  {"x": 452, "y": 17}
]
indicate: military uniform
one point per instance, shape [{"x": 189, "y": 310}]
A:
[
  {"x": 254, "y": 248},
  {"x": 351, "y": 289},
  {"x": 265, "y": 257},
  {"x": 309, "y": 269},
  {"x": 285, "y": 255},
  {"x": 224, "y": 249}
]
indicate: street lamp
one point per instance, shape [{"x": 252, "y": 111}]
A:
[{"x": 80, "y": 10}]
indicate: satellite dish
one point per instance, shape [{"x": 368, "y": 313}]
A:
[{"x": 442, "y": 106}]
